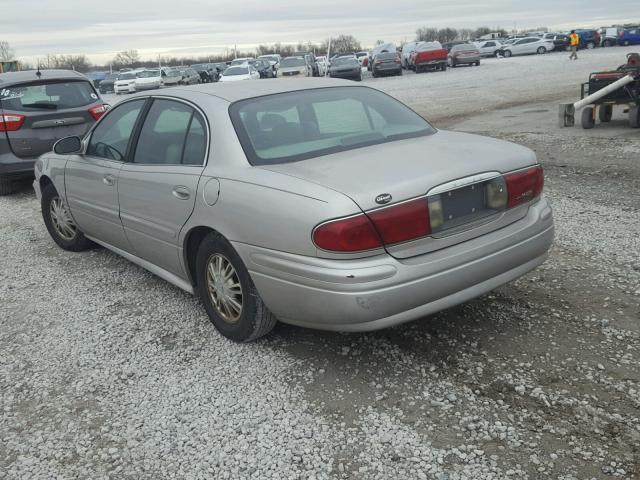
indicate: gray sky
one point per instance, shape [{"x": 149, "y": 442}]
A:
[{"x": 36, "y": 28}]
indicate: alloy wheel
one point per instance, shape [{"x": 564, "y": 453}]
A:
[
  {"x": 61, "y": 219},
  {"x": 225, "y": 290}
]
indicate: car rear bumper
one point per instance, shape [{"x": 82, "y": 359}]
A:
[
  {"x": 381, "y": 291},
  {"x": 10, "y": 165},
  {"x": 348, "y": 74}
]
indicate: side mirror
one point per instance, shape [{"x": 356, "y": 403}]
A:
[{"x": 68, "y": 146}]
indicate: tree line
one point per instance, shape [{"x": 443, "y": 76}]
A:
[{"x": 339, "y": 44}]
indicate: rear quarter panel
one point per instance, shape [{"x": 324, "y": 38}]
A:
[{"x": 52, "y": 166}]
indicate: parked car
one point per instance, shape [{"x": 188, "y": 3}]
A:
[
  {"x": 361, "y": 56},
  {"x": 629, "y": 36},
  {"x": 36, "y": 109},
  {"x": 383, "y": 48},
  {"x": 240, "y": 72},
  {"x": 263, "y": 67},
  {"x": 488, "y": 48},
  {"x": 346, "y": 67},
  {"x": 428, "y": 56},
  {"x": 189, "y": 76},
  {"x": 392, "y": 221},
  {"x": 126, "y": 82},
  {"x": 148, "y": 79},
  {"x": 207, "y": 71},
  {"x": 310, "y": 57},
  {"x": 463, "y": 54},
  {"x": 106, "y": 85},
  {"x": 560, "y": 41},
  {"x": 170, "y": 77},
  {"x": 528, "y": 45},
  {"x": 405, "y": 55},
  {"x": 241, "y": 61},
  {"x": 274, "y": 60},
  {"x": 588, "y": 38},
  {"x": 386, "y": 64},
  {"x": 294, "y": 66},
  {"x": 609, "y": 36},
  {"x": 323, "y": 65}
]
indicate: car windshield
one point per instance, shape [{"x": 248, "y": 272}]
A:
[
  {"x": 127, "y": 76},
  {"x": 304, "y": 124},
  {"x": 148, "y": 74},
  {"x": 236, "y": 71},
  {"x": 293, "y": 62},
  {"x": 345, "y": 60},
  {"x": 47, "y": 96}
]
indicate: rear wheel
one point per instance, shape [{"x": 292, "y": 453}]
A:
[
  {"x": 588, "y": 120},
  {"x": 7, "y": 186},
  {"x": 605, "y": 113},
  {"x": 60, "y": 224},
  {"x": 542, "y": 50},
  {"x": 634, "y": 117},
  {"x": 228, "y": 293}
]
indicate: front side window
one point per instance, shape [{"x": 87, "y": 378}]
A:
[
  {"x": 168, "y": 127},
  {"x": 111, "y": 136},
  {"x": 306, "y": 124}
]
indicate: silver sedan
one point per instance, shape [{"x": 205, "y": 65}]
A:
[{"x": 314, "y": 202}]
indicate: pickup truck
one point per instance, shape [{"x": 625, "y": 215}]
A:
[{"x": 430, "y": 56}]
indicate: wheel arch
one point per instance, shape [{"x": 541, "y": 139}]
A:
[{"x": 191, "y": 244}]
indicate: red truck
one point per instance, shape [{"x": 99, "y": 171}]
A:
[{"x": 428, "y": 58}]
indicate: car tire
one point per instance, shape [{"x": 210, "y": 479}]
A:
[
  {"x": 400, "y": 73},
  {"x": 591, "y": 45},
  {"x": 588, "y": 121},
  {"x": 7, "y": 186},
  {"x": 542, "y": 51},
  {"x": 478, "y": 63},
  {"x": 60, "y": 224},
  {"x": 605, "y": 113},
  {"x": 507, "y": 53},
  {"x": 634, "y": 117},
  {"x": 626, "y": 43},
  {"x": 443, "y": 67},
  {"x": 253, "y": 320}
]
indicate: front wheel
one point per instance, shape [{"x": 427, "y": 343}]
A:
[
  {"x": 230, "y": 298},
  {"x": 542, "y": 51},
  {"x": 588, "y": 119},
  {"x": 60, "y": 224},
  {"x": 507, "y": 53}
]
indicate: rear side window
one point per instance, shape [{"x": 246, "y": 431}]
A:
[
  {"x": 48, "y": 96},
  {"x": 172, "y": 134},
  {"x": 300, "y": 125},
  {"x": 111, "y": 136}
]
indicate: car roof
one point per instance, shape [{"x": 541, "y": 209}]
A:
[
  {"x": 13, "y": 78},
  {"x": 235, "y": 91}
]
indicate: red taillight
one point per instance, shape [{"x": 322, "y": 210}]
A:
[
  {"x": 524, "y": 186},
  {"x": 98, "y": 111},
  {"x": 377, "y": 62},
  {"x": 397, "y": 59},
  {"x": 400, "y": 223},
  {"x": 351, "y": 234},
  {"x": 10, "y": 122}
]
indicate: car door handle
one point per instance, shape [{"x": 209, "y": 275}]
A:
[
  {"x": 181, "y": 193},
  {"x": 109, "y": 180}
]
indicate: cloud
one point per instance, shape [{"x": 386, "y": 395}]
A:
[{"x": 36, "y": 28}]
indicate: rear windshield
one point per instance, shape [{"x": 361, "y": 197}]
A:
[
  {"x": 236, "y": 71},
  {"x": 386, "y": 56},
  {"x": 148, "y": 74},
  {"x": 127, "y": 76},
  {"x": 299, "y": 125},
  {"x": 293, "y": 62},
  {"x": 346, "y": 60},
  {"x": 48, "y": 96}
]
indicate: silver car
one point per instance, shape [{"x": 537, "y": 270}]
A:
[{"x": 314, "y": 202}]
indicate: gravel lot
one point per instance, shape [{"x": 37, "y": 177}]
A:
[{"x": 109, "y": 372}]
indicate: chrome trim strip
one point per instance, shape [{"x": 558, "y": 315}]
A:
[{"x": 463, "y": 182}]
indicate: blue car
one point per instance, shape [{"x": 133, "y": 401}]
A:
[{"x": 630, "y": 36}]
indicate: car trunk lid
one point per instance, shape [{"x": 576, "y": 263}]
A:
[
  {"x": 408, "y": 169},
  {"x": 45, "y": 123}
]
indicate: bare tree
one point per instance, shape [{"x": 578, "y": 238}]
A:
[
  {"x": 425, "y": 34},
  {"x": 127, "y": 58},
  {"x": 79, "y": 63},
  {"x": 447, "y": 35},
  {"x": 6, "y": 52},
  {"x": 344, "y": 44}
]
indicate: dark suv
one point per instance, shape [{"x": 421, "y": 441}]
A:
[
  {"x": 37, "y": 109},
  {"x": 588, "y": 38}
]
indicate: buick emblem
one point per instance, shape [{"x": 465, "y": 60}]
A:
[{"x": 383, "y": 198}]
